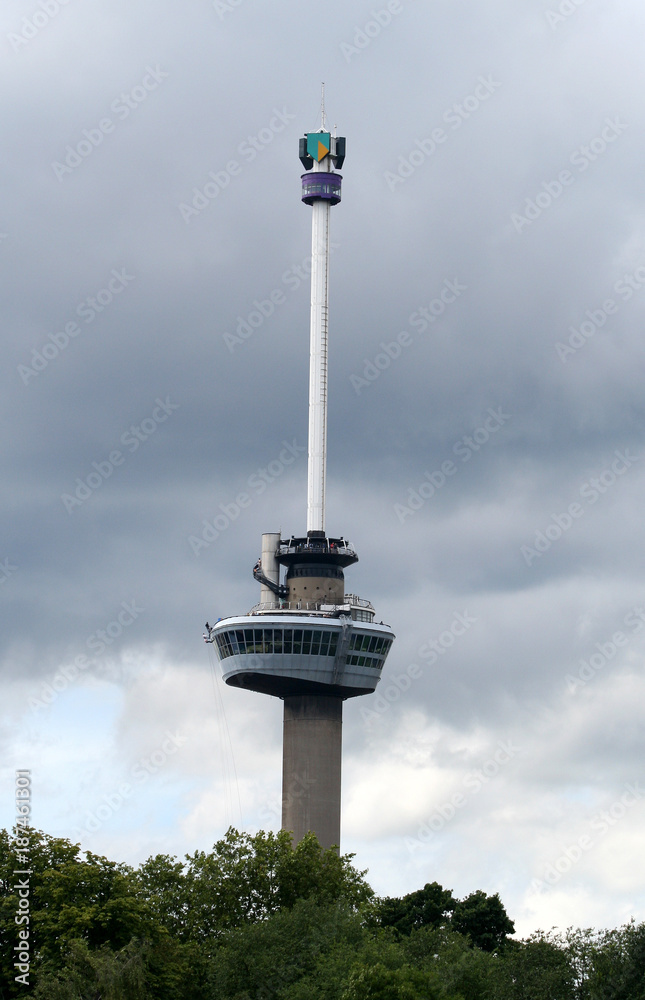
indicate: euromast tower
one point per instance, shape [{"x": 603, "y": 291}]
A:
[{"x": 307, "y": 641}]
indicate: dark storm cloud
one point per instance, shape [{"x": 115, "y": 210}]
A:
[{"x": 164, "y": 333}]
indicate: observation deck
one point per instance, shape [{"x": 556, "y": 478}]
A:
[
  {"x": 286, "y": 652},
  {"x": 321, "y": 186},
  {"x": 316, "y": 549}
]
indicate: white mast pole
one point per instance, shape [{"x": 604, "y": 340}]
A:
[{"x": 317, "y": 460}]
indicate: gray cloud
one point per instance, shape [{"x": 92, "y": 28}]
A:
[{"x": 205, "y": 88}]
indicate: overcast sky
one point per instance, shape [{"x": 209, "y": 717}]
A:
[{"x": 486, "y": 458}]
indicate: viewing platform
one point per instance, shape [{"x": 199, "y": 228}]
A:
[
  {"x": 301, "y": 654},
  {"x": 321, "y": 186},
  {"x": 316, "y": 550}
]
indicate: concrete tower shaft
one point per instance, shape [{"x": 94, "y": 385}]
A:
[{"x": 311, "y": 767}]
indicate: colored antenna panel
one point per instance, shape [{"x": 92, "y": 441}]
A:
[{"x": 318, "y": 145}]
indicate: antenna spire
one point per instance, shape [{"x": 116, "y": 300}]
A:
[{"x": 323, "y": 116}]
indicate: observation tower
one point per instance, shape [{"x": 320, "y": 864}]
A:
[{"x": 307, "y": 641}]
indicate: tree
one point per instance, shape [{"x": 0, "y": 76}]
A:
[
  {"x": 92, "y": 973},
  {"x": 618, "y": 964},
  {"x": 535, "y": 969},
  {"x": 461, "y": 969},
  {"x": 245, "y": 879},
  {"x": 91, "y": 899},
  {"x": 483, "y": 919},
  {"x": 92, "y": 928},
  {"x": 70, "y": 897},
  {"x": 479, "y": 917},
  {"x": 142, "y": 970},
  {"x": 95, "y": 923},
  {"x": 376, "y": 982},
  {"x": 259, "y": 918},
  {"x": 301, "y": 945},
  {"x": 427, "y": 907},
  {"x": 25, "y": 849},
  {"x": 161, "y": 882}
]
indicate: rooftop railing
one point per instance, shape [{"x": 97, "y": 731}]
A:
[
  {"x": 323, "y": 545},
  {"x": 352, "y": 601}
]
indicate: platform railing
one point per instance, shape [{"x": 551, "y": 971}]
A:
[
  {"x": 324, "y": 545},
  {"x": 319, "y": 607}
]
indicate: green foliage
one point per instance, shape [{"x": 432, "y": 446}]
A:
[
  {"x": 536, "y": 969},
  {"x": 267, "y": 958},
  {"x": 483, "y": 919},
  {"x": 256, "y": 919},
  {"x": 98, "y": 928},
  {"x": 386, "y": 968},
  {"x": 91, "y": 973},
  {"x": 245, "y": 879},
  {"x": 38, "y": 854},
  {"x": 161, "y": 882},
  {"x": 91, "y": 899},
  {"x": 376, "y": 982},
  {"x": 329, "y": 977},
  {"x": 71, "y": 897},
  {"x": 580, "y": 965},
  {"x": 140, "y": 971},
  {"x": 580, "y": 947},
  {"x": 462, "y": 969},
  {"x": 427, "y": 907},
  {"x": 618, "y": 965},
  {"x": 479, "y": 917}
]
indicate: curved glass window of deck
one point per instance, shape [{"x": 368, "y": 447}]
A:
[
  {"x": 321, "y": 186},
  {"x": 301, "y": 656}
]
